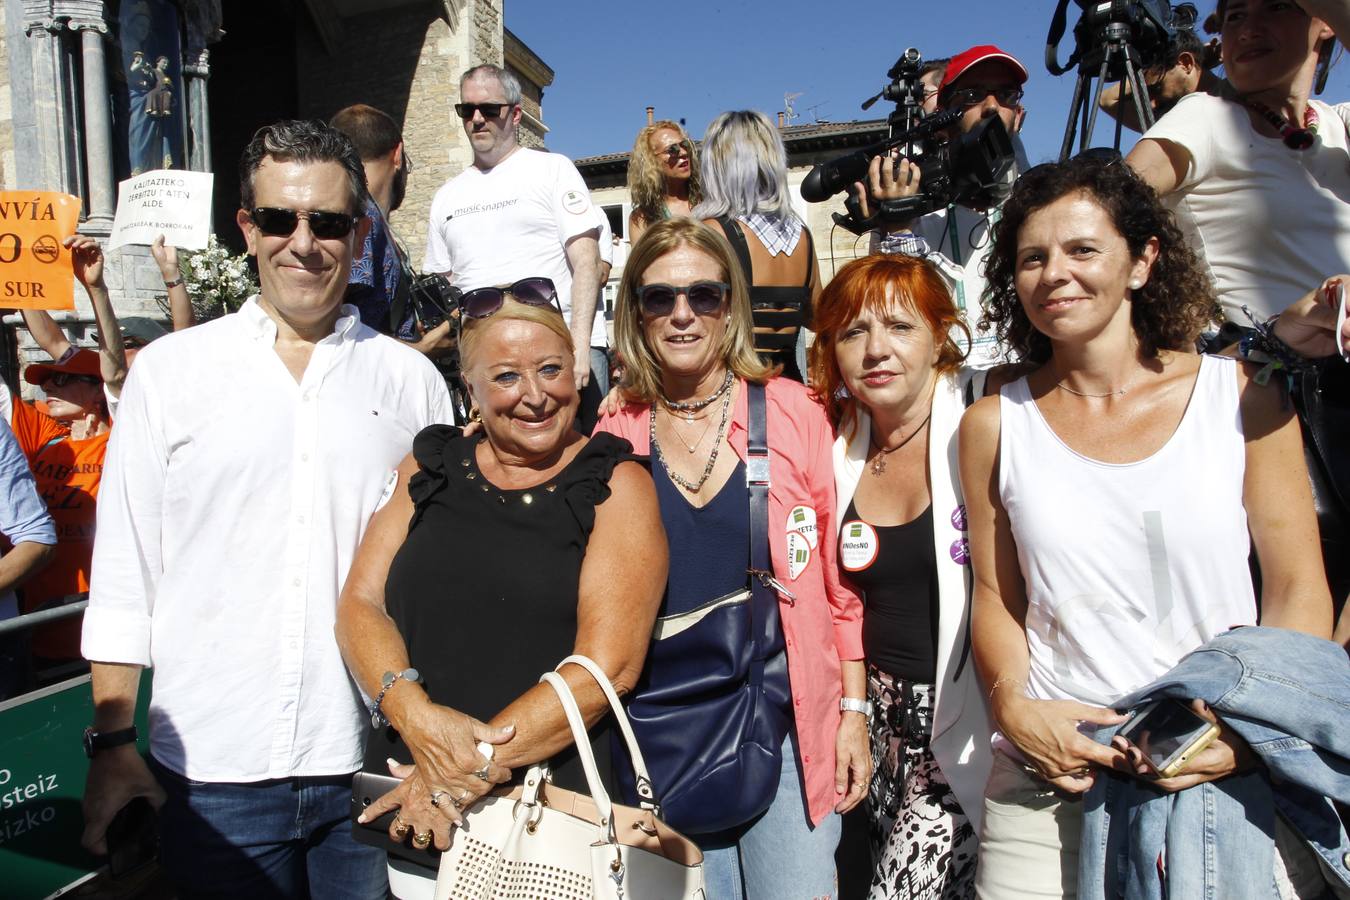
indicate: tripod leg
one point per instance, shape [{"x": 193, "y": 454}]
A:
[
  {"x": 1079, "y": 92},
  {"x": 1138, "y": 90},
  {"x": 1097, "y": 98}
]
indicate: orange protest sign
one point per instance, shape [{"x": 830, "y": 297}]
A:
[{"x": 35, "y": 269}]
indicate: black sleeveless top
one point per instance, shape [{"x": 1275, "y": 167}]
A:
[
  {"x": 893, "y": 566},
  {"x": 777, "y": 306},
  {"x": 484, "y": 589}
]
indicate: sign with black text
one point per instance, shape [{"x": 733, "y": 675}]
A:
[{"x": 173, "y": 202}]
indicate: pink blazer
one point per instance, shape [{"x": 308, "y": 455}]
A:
[{"x": 824, "y": 623}]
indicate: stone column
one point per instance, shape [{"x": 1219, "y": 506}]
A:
[
  {"x": 98, "y": 153},
  {"x": 196, "y": 70}
]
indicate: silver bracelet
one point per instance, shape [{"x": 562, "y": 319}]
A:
[
  {"x": 377, "y": 718},
  {"x": 853, "y": 704}
]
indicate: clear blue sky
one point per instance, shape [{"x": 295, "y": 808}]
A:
[{"x": 692, "y": 59}]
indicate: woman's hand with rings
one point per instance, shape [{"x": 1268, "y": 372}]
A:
[
  {"x": 1227, "y": 754},
  {"x": 1046, "y": 731},
  {"x": 852, "y": 761},
  {"x": 444, "y": 749},
  {"x": 417, "y": 816}
]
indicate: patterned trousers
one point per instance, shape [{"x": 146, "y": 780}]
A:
[{"x": 923, "y": 846}]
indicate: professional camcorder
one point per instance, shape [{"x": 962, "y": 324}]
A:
[{"x": 970, "y": 169}]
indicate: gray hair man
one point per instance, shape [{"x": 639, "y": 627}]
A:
[
  {"x": 249, "y": 455},
  {"x": 517, "y": 213}
]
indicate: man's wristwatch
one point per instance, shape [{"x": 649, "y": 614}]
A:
[
  {"x": 95, "y": 741},
  {"x": 853, "y": 704}
]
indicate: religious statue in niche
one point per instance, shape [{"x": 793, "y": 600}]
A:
[{"x": 150, "y": 29}]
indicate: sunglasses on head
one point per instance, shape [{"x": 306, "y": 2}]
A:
[
  {"x": 705, "y": 297},
  {"x": 61, "y": 379},
  {"x": 480, "y": 303},
  {"x": 280, "y": 222},
  {"x": 489, "y": 110},
  {"x": 676, "y": 150}
]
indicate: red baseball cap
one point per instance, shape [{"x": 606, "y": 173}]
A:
[
  {"x": 82, "y": 362},
  {"x": 962, "y": 61}
]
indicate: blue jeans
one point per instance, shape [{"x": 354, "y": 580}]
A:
[
  {"x": 285, "y": 838},
  {"x": 778, "y": 856}
]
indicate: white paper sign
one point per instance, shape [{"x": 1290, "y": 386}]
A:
[{"x": 172, "y": 202}]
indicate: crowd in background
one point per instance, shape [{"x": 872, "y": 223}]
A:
[{"x": 919, "y": 542}]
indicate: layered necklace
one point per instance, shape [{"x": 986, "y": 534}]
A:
[
  {"x": 687, "y": 408},
  {"x": 693, "y": 487},
  {"x": 879, "y": 461}
]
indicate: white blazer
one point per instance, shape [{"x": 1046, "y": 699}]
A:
[{"x": 961, "y": 724}]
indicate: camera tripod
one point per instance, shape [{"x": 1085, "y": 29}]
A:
[{"x": 1113, "y": 57}]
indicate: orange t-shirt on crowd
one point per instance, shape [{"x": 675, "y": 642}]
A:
[{"x": 68, "y": 473}]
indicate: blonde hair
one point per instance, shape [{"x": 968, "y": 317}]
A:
[
  {"x": 642, "y": 373},
  {"x": 512, "y": 310},
  {"x": 646, "y": 181},
  {"x": 744, "y": 168}
]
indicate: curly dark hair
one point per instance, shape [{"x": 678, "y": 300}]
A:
[{"x": 1168, "y": 312}]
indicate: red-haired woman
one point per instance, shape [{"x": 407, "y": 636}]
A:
[{"x": 886, "y": 364}]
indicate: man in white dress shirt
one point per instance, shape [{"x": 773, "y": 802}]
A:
[{"x": 248, "y": 456}]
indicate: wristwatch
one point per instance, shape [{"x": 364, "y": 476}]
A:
[
  {"x": 95, "y": 741},
  {"x": 377, "y": 718},
  {"x": 853, "y": 704}
]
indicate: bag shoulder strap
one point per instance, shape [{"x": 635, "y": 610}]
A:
[
  {"x": 737, "y": 239},
  {"x": 810, "y": 262},
  {"x": 646, "y": 796},
  {"x": 763, "y": 599},
  {"x": 583, "y": 743}
]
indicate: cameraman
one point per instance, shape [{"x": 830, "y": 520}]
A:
[
  {"x": 981, "y": 82},
  {"x": 1188, "y": 71}
]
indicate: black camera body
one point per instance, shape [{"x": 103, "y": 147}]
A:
[
  {"x": 1148, "y": 26},
  {"x": 969, "y": 169}
]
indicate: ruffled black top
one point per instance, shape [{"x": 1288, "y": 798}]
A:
[{"x": 484, "y": 589}]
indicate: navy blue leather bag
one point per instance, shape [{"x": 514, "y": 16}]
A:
[{"x": 712, "y": 725}]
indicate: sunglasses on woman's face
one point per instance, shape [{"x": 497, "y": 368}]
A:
[
  {"x": 483, "y": 302},
  {"x": 279, "y": 222},
  {"x": 705, "y": 297},
  {"x": 676, "y": 150}
]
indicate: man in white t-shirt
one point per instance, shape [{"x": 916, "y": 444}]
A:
[{"x": 518, "y": 213}]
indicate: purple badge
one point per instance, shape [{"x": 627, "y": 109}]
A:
[
  {"x": 960, "y": 552},
  {"x": 959, "y": 518}
]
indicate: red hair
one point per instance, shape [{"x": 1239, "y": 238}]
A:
[{"x": 860, "y": 285}]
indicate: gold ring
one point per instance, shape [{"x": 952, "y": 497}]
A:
[
  {"x": 422, "y": 840},
  {"x": 401, "y": 828}
]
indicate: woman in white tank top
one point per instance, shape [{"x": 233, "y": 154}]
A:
[{"x": 1113, "y": 496}]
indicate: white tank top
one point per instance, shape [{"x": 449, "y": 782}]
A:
[{"x": 1128, "y": 567}]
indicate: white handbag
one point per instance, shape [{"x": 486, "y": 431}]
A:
[{"x": 539, "y": 842}]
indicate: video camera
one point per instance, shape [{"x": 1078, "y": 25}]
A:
[
  {"x": 1114, "y": 40},
  {"x": 970, "y": 169}
]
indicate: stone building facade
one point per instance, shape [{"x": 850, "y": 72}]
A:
[{"x": 66, "y": 124}]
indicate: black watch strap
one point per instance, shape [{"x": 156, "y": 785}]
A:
[{"x": 95, "y": 741}]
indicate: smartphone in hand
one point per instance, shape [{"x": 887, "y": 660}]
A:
[{"x": 1169, "y": 734}]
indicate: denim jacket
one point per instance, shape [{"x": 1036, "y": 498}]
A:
[{"x": 1287, "y": 695}]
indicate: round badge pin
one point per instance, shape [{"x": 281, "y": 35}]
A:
[
  {"x": 857, "y": 545},
  {"x": 799, "y": 554},
  {"x": 803, "y": 519}
]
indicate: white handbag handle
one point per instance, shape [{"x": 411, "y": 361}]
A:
[
  {"x": 646, "y": 797},
  {"x": 583, "y": 743}
]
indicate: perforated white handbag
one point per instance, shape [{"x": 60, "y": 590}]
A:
[{"x": 539, "y": 842}]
